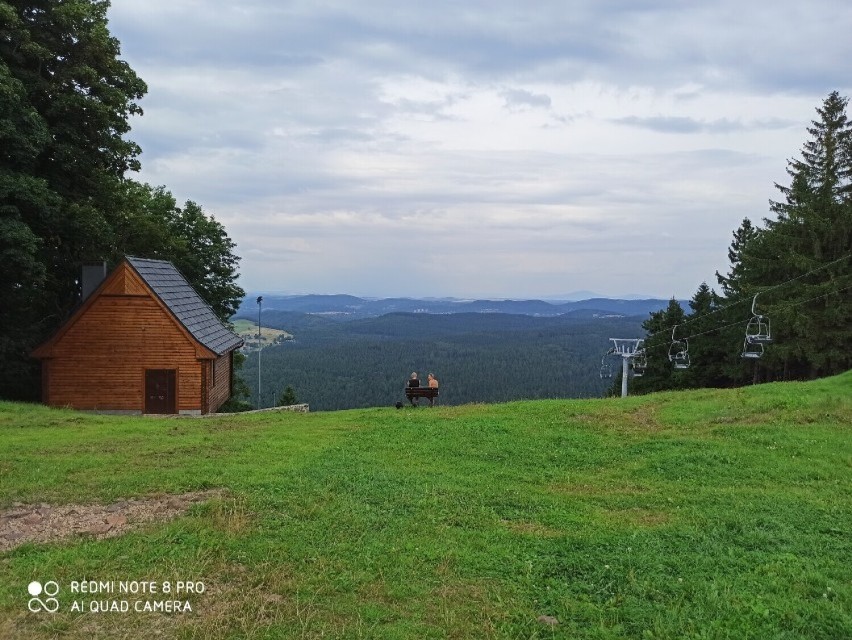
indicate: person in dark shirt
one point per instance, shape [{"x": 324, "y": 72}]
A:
[{"x": 413, "y": 383}]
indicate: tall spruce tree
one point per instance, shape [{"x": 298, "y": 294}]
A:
[
  {"x": 753, "y": 259},
  {"x": 797, "y": 269},
  {"x": 814, "y": 230},
  {"x": 807, "y": 246},
  {"x": 733, "y": 283}
]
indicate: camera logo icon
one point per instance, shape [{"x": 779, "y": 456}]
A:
[{"x": 50, "y": 589}]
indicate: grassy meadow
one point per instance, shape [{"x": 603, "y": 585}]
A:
[
  {"x": 247, "y": 330},
  {"x": 705, "y": 514}
]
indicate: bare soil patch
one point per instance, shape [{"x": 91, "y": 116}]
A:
[
  {"x": 532, "y": 528},
  {"x": 639, "y": 517},
  {"x": 43, "y": 522},
  {"x": 599, "y": 490}
]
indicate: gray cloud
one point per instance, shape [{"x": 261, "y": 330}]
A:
[
  {"x": 673, "y": 124},
  {"x": 540, "y": 142},
  {"x": 676, "y": 124},
  {"x": 665, "y": 43},
  {"x": 516, "y": 98}
]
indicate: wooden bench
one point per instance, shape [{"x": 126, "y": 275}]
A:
[{"x": 421, "y": 392}]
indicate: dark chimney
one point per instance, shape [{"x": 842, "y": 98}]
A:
[{"x": 93, "y": 274}]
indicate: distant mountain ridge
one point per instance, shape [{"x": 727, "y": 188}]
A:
[{"x": 347, "y": 307}]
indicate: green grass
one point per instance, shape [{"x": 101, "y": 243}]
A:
[{"x": 707, "y": 514}]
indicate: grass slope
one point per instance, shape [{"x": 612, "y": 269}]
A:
[{"x": 708, "y": 514}]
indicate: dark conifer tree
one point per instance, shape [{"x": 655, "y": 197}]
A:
[
  {"x": 807, "y": 246},
  {"x": 813, "y": 233},
  {"x": 733, "y": 283},
  {"x": 713, "y": 348},
  {"x": 659, "y": 373}
]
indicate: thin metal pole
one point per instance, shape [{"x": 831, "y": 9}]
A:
[
  {"x": 625, "y": 368},
  {"x": 259, "y": 349}
]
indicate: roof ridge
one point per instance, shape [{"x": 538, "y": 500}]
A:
[{"x": 151, "y": 260}]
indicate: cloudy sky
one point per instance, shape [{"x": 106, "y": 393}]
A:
[{"x": 480, "y": 148}]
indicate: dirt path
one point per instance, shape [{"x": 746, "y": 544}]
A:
[{"x": 24, "y": 523}]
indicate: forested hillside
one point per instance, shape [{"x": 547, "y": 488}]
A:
[{"x": 476, "y": 357}]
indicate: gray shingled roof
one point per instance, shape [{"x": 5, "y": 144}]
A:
[{"x": 186, "y": 305}]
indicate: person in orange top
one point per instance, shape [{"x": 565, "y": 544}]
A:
[{"x": 432, "y": 380}]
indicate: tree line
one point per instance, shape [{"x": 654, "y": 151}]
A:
[
  {"x": 793, "y": 271},
  {"x": 66, "y": 197}
]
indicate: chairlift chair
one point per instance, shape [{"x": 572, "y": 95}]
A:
[
  {"x": 606, "y": 365},
  {"x": 757, "y": 329},
  {"x": 640, "y": 363},
  {"x": 679, "y": 354},
  {"x": 679, "y": 351},
  {"x": 752, "y": 350}
]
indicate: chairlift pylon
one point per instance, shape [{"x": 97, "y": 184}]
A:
[{"x": 679, "y": 351}]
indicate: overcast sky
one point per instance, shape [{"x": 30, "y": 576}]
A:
[{"x": 480, "y": 148}]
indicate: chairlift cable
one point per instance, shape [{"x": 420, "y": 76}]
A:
[
  {"x": 749, "y": 298},
  {"x": 824, "y": 295},
  {"x": 646, "y": 348},
  {"x": 740, "y": 322}
]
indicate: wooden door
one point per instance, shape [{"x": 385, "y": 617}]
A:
[{"x": 160, "y": 391}]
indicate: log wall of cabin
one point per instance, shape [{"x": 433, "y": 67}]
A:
[
  {"x": 221, "y": 384},
  {"x": 101, "y": 360}
]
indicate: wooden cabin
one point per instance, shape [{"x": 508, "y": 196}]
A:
[{"x": 143, "y": 341}]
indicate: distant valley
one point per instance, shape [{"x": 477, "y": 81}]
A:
[{"x": 349, "y": 352}]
